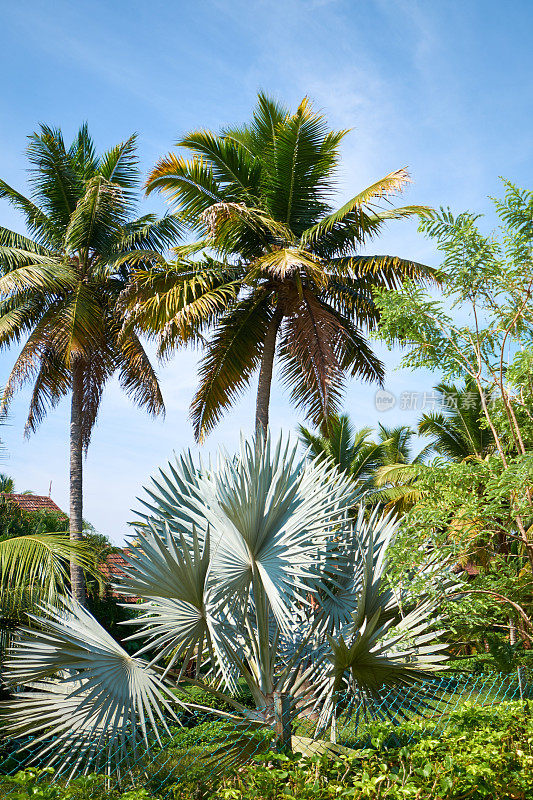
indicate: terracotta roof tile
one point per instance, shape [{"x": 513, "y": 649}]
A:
[
  {"x": 33, "y": 502},
  {"x": 113, "y": 570}
]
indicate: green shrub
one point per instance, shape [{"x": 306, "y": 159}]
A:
[{"x": 481, "y": 754}]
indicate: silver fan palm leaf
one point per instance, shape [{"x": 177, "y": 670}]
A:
[
  {"x": 97, "y": 698},
  {"x": 270, "y": 516},
  {"x": 180, "y": 618}
]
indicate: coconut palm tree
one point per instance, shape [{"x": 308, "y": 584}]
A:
[
  {"x": 456, "y": 431},
  {"x": 59, "y": 287},
  {"x": 396, "y": 477},
  {"x": 284, "y": 276},
  {"x": 226, "y": 564},
  {"x": 352, "y": 451}
]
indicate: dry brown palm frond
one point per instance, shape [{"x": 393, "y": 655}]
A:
[
  {"x": 216, "y": 217},
  {"x": 311, "y": 338}
]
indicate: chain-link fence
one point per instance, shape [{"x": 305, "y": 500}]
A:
[{"x": 203, "y": 745}]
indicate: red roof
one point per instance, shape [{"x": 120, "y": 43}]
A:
[
  {"x": 471, "y": 570},
  {"x": 113, "y": 567},
  {"x": 33, "y": 502},
  {"x": 113, "y": 570}
]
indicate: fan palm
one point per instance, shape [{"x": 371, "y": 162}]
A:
[
  {"x": 257, "y": 569},
  {"x": 352, "y": 451},
  {"x": 59, "y": 287},
  {"x": 284, "y": 276}
]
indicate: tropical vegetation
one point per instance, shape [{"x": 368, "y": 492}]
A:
[
  {"x": 281, "y": 275},
  {"x": 274, "y": 592},
  {"x": 255, "y": 569},
  {"x": 482, "y": 752}
]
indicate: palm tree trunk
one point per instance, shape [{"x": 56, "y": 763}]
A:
[
  {"x": 76, "y": 477},
  {"x": 265, "y": 373}
]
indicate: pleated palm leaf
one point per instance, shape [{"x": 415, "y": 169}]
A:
[
  {"x": 284, "y": 277},
  {"x": 255, "y": 568},
  {"x": 97, "y": 707},
  {"x": 59, "y": 287}
]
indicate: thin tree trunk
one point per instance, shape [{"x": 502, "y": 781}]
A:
[
  {"x": 76, "y": 478},
  {"x": 265, "y": 373}
]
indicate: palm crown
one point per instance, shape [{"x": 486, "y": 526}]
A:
[
  {"x": 352, "y": 451},
  {"x": 283, "y": 275},
  {"x": 457, "y": 431},
  {"x": 59, "y": 286}
]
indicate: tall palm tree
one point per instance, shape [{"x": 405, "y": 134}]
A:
[
  {"x": 59, "y": 287},
  {"x": 456, "y": 431},
  {"x": 284, "y": 276},
  {"x": 351, "y": 450}
]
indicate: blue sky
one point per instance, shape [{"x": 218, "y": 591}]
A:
[{"x": 444, "y": 88}]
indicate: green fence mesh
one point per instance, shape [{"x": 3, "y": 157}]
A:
[{"x": 203, "y": 746}]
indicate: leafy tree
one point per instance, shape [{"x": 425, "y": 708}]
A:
[
  {"x": 482, "y": 507},
  {"x": 284, "y": 276},
  {"x": 59, "y": 288}
]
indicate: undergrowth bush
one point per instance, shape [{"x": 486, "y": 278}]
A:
[{"x": 481, "y": 753}]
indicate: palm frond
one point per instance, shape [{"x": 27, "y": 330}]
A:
[
  {"x": 359, "y": 206},
  {"x": 41, "y": 562},
  {"x": 149, "y": 233},
  {"x": 232, "y": 165},
  {"x": 120, "y": 165},
  {"x": 137, "y": 376},
  {"x": 189, "y": 184},
  {"x": 51, "y": 384},
  {"x": 37, "y": 221},
  {"x": 53, "y": 176},
  {"x": 82, "y": 153},
  {"x": 231, "y": 357},
  {"x": 100, "y": 703},
  {"x": 44, "y": 274},
  {"x": 98, "y": 217}
]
